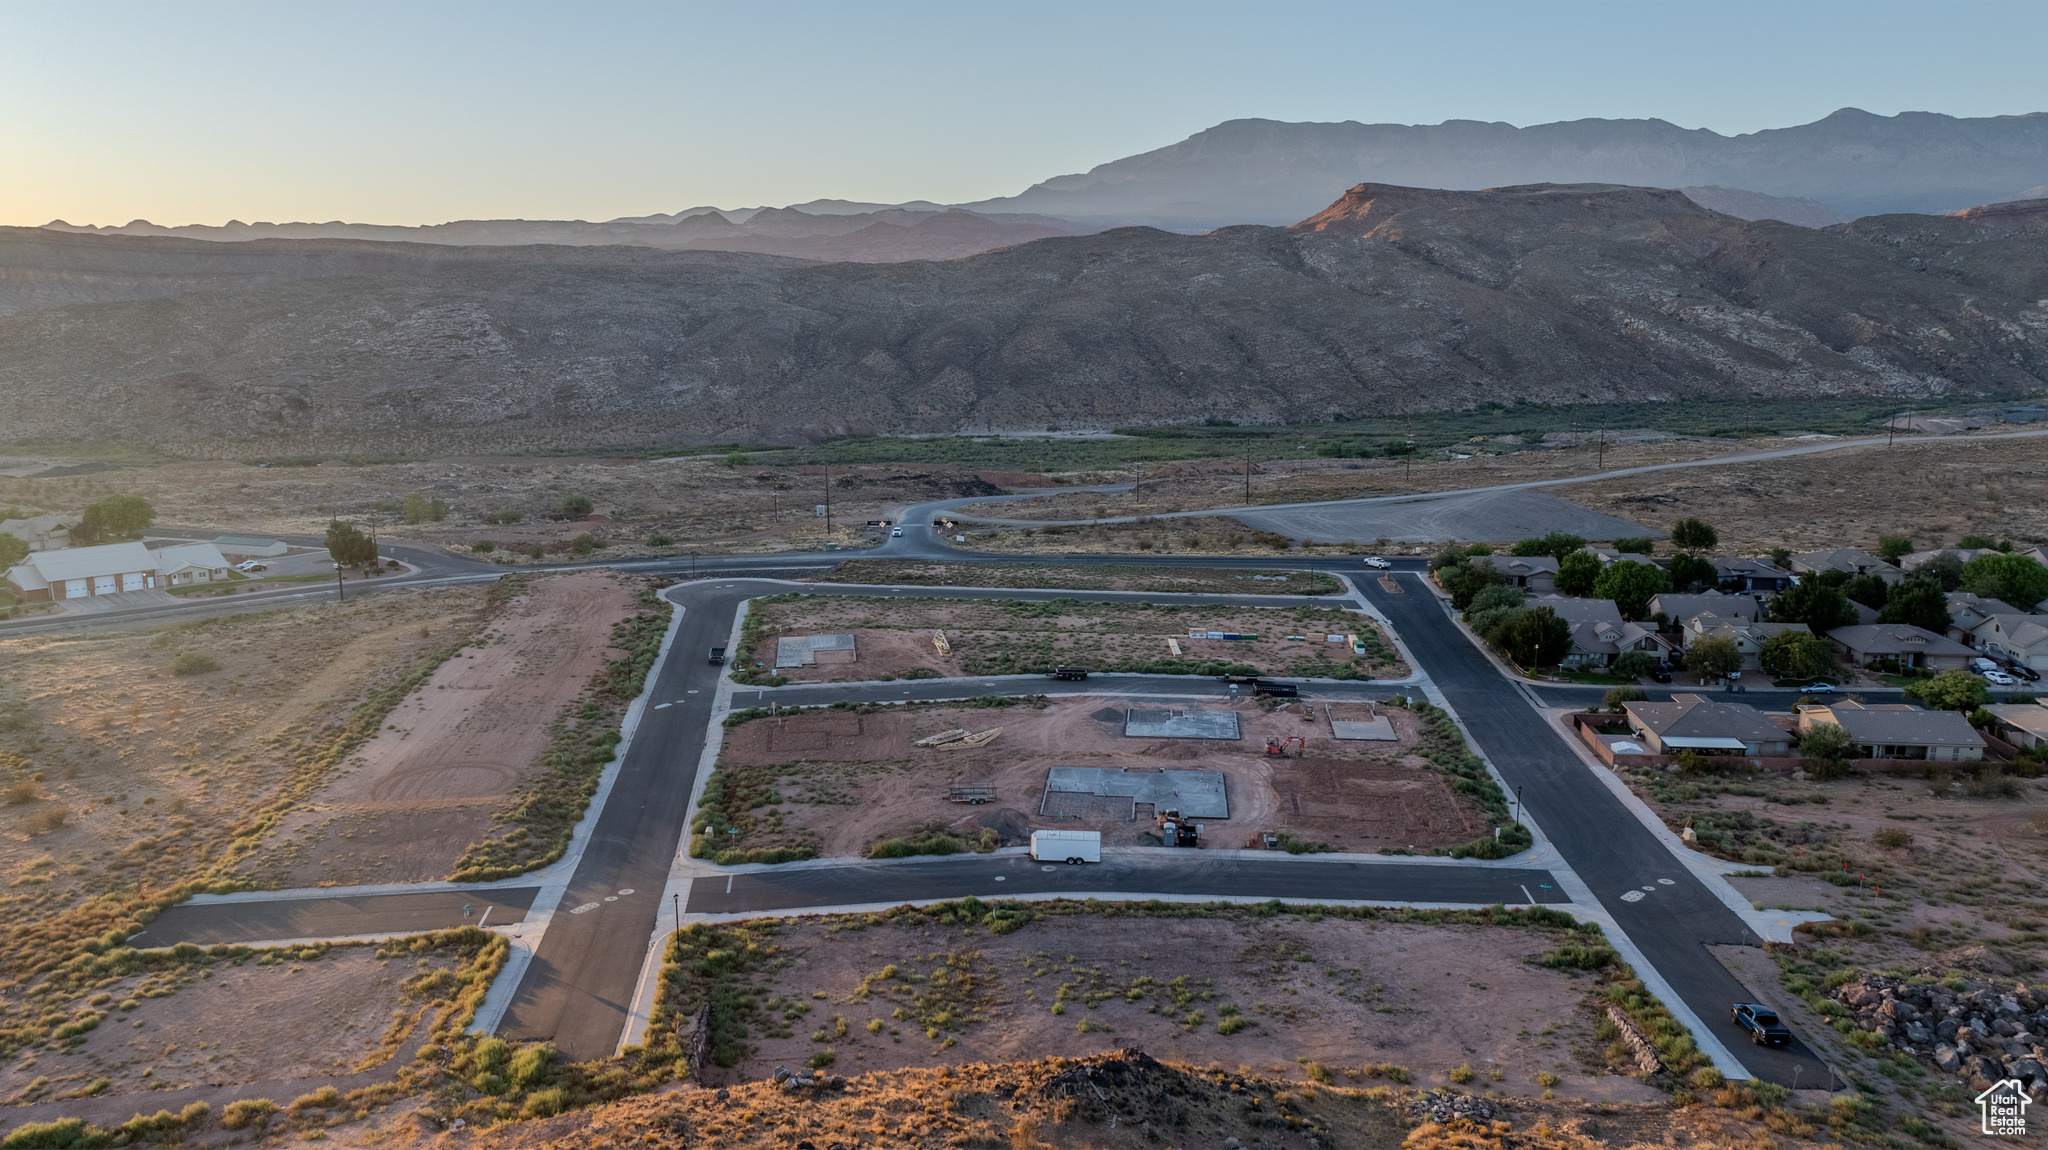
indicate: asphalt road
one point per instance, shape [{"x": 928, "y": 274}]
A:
[
  {"x": 1675, "y": 917},
  {"x": 1197, "y": 873},
  {"x": 212, "y": 923}
]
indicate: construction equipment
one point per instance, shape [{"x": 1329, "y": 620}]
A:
[
  {"x": 1262, "y": 842},
  {"x": 939, "y": 641},
  {"x": 1067, "y": 673},
  {"x": 974, "y": 795},
  {"x": 1277, "y": 748},
  {"x": 1262, "y": 686},
  {"x": 1175, "y": 831}
]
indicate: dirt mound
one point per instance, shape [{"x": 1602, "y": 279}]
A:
[
  {"x": 1011, "y": 825},
  {"x": 1173, "y": 751},
  {"x": 1108, "y": 715}
]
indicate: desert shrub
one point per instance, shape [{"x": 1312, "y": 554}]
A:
[
  {"x": 505, "y": 515},
  {"x": 585, "y": 544},
  {"x": 573, "y": 505},
  {"x": 1462, "y": 1073},
  {"x": 922, "y": 673},
  {"x": 1892, "y": 838},
  {"x": 194, "y": 663},
  {"x": 545, "y": 1103},
  {"x": 1319, "y": 1072},
  {"x": 46, "y": 820},
  {"x": 325, "y": 1098},
  {"x": 62, "y": 1134},
  {"x": 658, "y": 540},
  {"x": 1617, "y": 696},
  {"x": 483, "y": 547},
  {"x": 16, "y": 794},
  {"x": 1577, "y": 956},
  {"x": 1233, "y": 1024}
]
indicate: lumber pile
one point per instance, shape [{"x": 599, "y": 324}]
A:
[{"x": 939, "y": 641}]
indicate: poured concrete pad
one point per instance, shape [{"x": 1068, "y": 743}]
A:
[
  {"x": 1195, "y": 794},
  {"x": 1179, "y": 724},
  {"x": 1378, "y": 730},
  {"x": 1478, "y": 515},
  {"x": 802, "y": 650}
]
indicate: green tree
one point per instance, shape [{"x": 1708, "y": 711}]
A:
[
  {"x": 1869, "y": 590},
  {"x": 1467, "y": 580},
  {"x": 1689, "y": 571},
  {"x": 348, "y": 546},
  {"x": 1556, "y": 544},
  {"x": 1713, "y": 658},
  {"x": 1497, "y": 595},
  {"x": 1945, "y": 569},
  {"x": 1487, "y": 624},
  {"x": 1782, "y": 558},
  {"x": 573, "y": 505},
  {"x": 1982, "y": 543},
  {"x": 1951, "y": 691},
  {"x": 1827, "y": 750},
  {"x": 1892, "y": 548},
  {"x": 585, "y": 543},
  {"x": 1633, "y": 664},
  {"x": 1821, "y": 607},
  {"x": 739, "y": 459},
  {"x": 1632, "y": 585},
  {"x": 1635, "y": 545},
  {"x": 1536, "y": 638},
  {"x": 1918, "y": 602},
  {"x": 1797, "y": 655},
  {"x": 1694, "y": 535},
  {"x": 115, "y": 517},
  {"x": 1616, "y": 696},
  {"x": 415, "y": 508},
  {"x": 1577, "y": 572},
  {"x": 12, "y": 550},
  {"x": 2016, "y": 579}
]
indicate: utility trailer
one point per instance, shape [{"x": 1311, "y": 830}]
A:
[
  {"x": 1069, "y": 674},
  {"x": 1262, "y": 686},
  {"x": 1074, "y": 847},
  {"x": 974, "y": 795}
]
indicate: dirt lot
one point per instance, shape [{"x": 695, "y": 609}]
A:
[
  {"x": 1013, "y": 636},
  {"x": 1191, "y": 580},
  {"x": 121, "y": 772},
  {"x": 1934, "y": 493},
  {"x": 698, "y": 503},
  {"x": 278, "y": 1015},
  {"x": 846, "y": 780},
  {"x": 1339, "y": 993},
  {"x": 1938, "y": 871},
  {"x": 408, "y": 803}
]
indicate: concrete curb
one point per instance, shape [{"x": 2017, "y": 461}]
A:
[{"x": 1084, "y": 896}]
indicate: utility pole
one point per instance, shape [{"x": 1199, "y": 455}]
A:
[
  {"x": 1140, "y": 492},
  {"x": 1247, "y": 475},
  {"x": 693, "y": 564},
  {"x": 340, "y": 595},
  {"x": 678, "y": 897},
  {"x": 1518, "y": 806},
  {"x": 828, "y": 499},
  {"x": 1408, "y": 453},
  {"x": 1600, "y": 458}
]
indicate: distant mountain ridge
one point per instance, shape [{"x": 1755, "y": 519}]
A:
[
  {"x": 1389, "y": 299},
  {"x": 1272, "y": 172}
]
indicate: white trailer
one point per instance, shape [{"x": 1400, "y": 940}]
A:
[{"x": 1067, "y": 846}]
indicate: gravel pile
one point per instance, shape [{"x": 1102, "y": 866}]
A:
[{"x": 1445, "y": 1105}]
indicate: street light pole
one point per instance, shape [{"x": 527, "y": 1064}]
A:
[{"x": 1518, "y": 806}]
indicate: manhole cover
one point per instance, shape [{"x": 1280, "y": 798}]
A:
[{"x": 1048, "y": 868}]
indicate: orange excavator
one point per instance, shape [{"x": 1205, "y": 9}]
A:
[{"x": 1277, "y": 748}]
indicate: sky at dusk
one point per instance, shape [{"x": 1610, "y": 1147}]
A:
[{"x": 407, "y": 113}]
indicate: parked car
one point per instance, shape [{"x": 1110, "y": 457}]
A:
[
  {"x": 250, "y": 565},
  {"x": 1820, "y": 688},
  {"x": 1980, "y": 665},
  {"x": 2026, "y": 672},
  {"x": 897, "y": 533},
  {"x": 2000, "y": 678},
  {"x": 1661, "y": 675},
  {"x": 1377, "y": 562},
  {"x": 1761, "y": 1022}
]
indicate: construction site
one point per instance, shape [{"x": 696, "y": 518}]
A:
[{"x": 1251, "y": 772}]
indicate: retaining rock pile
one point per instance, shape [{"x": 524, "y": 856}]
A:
[
  {"x": 1983, "y": 1034},
  {"x": 1446, "y": 1105}
]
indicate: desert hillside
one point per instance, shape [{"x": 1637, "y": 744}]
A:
[{"x": 1390, "y": 299}]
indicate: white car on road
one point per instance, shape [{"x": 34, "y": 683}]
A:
[{"x": 1377, "y": 562}]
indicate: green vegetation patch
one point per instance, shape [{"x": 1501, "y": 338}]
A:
[{"x": 1443, "y": 745}]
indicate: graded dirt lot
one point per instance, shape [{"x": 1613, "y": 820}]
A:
[
  {"x": 1013, "y": 636},
  {"x": 278, "y": 1015},
  {"x": 120, "y": 772},
  {"x": 406, "y": 805},
  {"x": 846, "y": 780},
  {"x": 1050, "y": 577},
  {"x": 1342, "y": 994},
  {"x": 1934, "y": 493}
]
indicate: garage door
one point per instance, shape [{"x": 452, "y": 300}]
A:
[
  {"x": 74, "y": 588},
  {"x": 134, "y": 582},
  {"x": 103, "y": 584}
]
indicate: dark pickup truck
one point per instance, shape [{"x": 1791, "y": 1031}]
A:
[
  {"x": 1761, "y": 1022},
  {"x": 1068, "y": 673},
  {"x": 717, "y": 656}
]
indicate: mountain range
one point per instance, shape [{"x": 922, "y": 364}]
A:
[{"x": 1388, "y": 299}]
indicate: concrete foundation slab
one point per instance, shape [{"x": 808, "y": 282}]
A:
[
  {"x": 802, "y": 650},
  {"x": 1195, "y": 794},
  {"x": 1377, "y": 730},
  {"x": 1175, "y": 723}
]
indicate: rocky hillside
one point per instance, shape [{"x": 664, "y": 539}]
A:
[
  {"x": 1390, "y": 299},
  {"x": 1269, "y": 171}
]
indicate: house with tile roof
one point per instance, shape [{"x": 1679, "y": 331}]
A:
[
  {"x": 1847, "y": 560},
  {"x": 1533, "y": 573},
  {"x": 2015, "y": 638},
  {"x": 1704, "y": 726},
  {"x": 1750, "y": 576},
  {"x": 1749, "y": 637},
  {"x": 1865, "y": 643},
  {"x": 2021, "y": 724},
  {"x": 1678, "y": 607},
  {"x": 1899, "y": 731},
  {"x": 1599, "y": 634}
]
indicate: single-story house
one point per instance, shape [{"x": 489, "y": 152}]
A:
[
  {"x": 1912, "y": 562},
  {"x": 79, "y": 572},
  {"x": 1696, "y": 723},
  {"x": 1899, "y": 731},
  {"x": 1608, "y": 556},
  {"x": 1965, "y": 611},
  {"x": 1749, "y": 638},
  {"x": 1753, "y": 576},
  {"x": 1912, "y": 646},
  {"x": 1678, "y": 607},
  {"x": 40, "y": 532},
  {"x": 251, "y": 546},
  {"x": 1847, "y": 560},
  {"x": 2020, "y": 638},
  {"x": 1599, "y": 635},
  {"x": 184, "y": 563},
  {"x": 2021, "y": 724},
  {"x": 1534, "y": 573}
]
